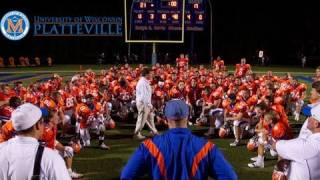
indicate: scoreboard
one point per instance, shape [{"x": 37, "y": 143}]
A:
[{"x": 164, "y": 15}]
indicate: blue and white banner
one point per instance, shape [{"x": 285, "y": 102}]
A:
[
  {"x": 15, "y": 25},
  {"x": 77, "y": 26}
]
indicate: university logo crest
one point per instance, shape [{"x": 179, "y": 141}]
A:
[{"x": 14, "y": 25}]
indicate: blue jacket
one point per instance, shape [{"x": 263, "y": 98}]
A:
[{"x": 177, "y": 154}]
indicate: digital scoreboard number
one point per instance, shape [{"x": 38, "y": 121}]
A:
[
  {"x": 162, "y": 15},
  {"x": 171, "y": 4}
]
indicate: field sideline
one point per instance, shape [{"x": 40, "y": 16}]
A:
[
  {"x": 97, "y": 164},
  {"x": 76, "y": 68}
]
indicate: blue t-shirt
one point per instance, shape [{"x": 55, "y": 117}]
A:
[{"x": 177, "y": 154}]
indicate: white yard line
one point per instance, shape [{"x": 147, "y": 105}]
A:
[
  {"x": 282, "y": 72},
  {"x": 21, "y": 72},
  {"x": 66, "y": 71}
]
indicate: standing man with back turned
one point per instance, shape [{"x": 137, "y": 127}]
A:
[{"x": 177, "y": 154}]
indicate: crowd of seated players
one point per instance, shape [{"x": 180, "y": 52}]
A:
[{"x": 239, "y": 104}]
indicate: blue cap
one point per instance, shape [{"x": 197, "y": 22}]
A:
[
  {"x": 44, "y": 112},
  {"x": 176, "y": 109}
]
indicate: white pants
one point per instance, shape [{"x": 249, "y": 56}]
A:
[
  {"x": 85, "y": 136},
  {"x": 78, "y": 127},
  {"x": 217, "y": 113},
  {"x": 145, "y": 115},
  {"x": 67, "y": 116},
  {"x": 240, "y": 123}
]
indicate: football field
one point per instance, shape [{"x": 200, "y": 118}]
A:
[{"x": 101, "y": 164}]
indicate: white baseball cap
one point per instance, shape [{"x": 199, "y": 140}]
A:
[
  {"x": 25, "y": 116},
  {"x": 315, "y": 112}
]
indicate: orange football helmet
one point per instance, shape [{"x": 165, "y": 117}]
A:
[
  {"x": 224, "y": 132},
  {"x": 278, "y": 175},
  {"x": 252, "y": 145},
  {"x": 110, "y": 124},
  {"x": 278, "y": 130}
]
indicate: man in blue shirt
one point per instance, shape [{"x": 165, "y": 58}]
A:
[{"x": 177, "y": 154}]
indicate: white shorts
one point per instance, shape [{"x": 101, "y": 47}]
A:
[{"x": 240, "y": 123}]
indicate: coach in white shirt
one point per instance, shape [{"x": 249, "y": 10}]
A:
[
  {"x": 144, "y": 106},
  {"x": 17, "y": 156},
  {"x": 314, "y": 94},
  {"x": 304, "y": 153}
]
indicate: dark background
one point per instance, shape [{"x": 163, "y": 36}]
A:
[{"x": 284, "y": 30}]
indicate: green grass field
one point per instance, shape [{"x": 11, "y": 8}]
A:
[{"x": 99, "y": 164}]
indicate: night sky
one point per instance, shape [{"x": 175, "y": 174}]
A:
[{"x": 283, "y": 30}]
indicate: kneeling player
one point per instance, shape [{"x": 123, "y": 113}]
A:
[
  {"x": 51, "y": 119},
  {"x": 90, "y": 116},
  {"x": 240, "y": 119},
  {"x": 268, "y": 129}
]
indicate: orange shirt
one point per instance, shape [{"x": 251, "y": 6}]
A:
[
  {"x": 83, "y": 111},
  {"x": 49, "y": 136},
  {"x": 218, "y": 64},
  {"x": 252, "y": 101},
  {"x": 175, "y": 92},
  {"x": 7, "y": 131},
  {"x": 123, "y": 93},
  {"x": 264, "y": 125},
  {"x": 159, "y": 93},
  {"x": 69, "y": 102},
  {"x": 5, "y": 112},
  {"x": 242, "y": 107},
  {"x": 282, "y": 113},
  {"x": 6, "y": 97},
  {"x": 241, "y": 70},
  {"x": 48, "y": 102},
  {"x": 281, "y": 131},
  {"x": 30, "y": 97},
  {"x": 206, "y": 98},
  {"x": 182, "y": 62},
  {"x": 193, "y": 93}
]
